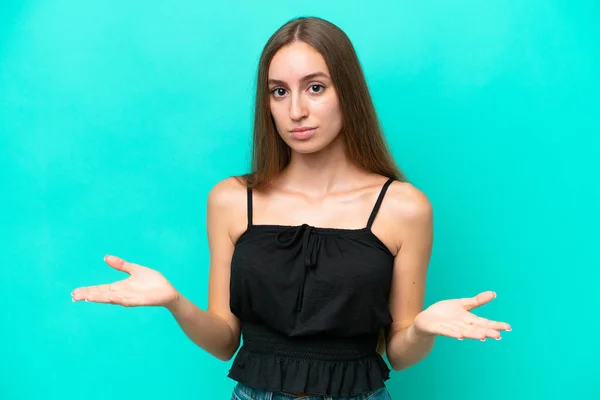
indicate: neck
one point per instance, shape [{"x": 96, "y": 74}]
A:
[{"x": 317, "y": 174}]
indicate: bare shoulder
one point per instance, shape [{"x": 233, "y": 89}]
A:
[
  {"x": 227, "y": 193},
  {"x": 408, "y": 203},
  {"x": 408, "y": 215},
  {"x": 226, "y": 207}
]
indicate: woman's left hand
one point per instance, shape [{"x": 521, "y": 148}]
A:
[{"x": 452, "y": 318}]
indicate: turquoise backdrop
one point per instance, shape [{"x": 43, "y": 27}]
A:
[{"x": 116, "y": 119}]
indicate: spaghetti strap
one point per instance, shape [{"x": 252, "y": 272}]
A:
[
  {"x": 249, "y": 195},
  {"x": 378, "y": 202}
]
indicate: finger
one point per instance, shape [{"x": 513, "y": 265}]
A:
[
  {"x": 486, "y": 323},
  {"x": 118, "y": 300},
  {"x": 104, "y": 297},
  {"x": 470, "y": 303},
  {"x": 119, "y": 264},
  {"x": 494, "y": 334},
  {"x": 479, "y": 333},
  {"x": 450, "y": 331},
  {"x": 472, "y": 331},
  {"x": 488, "y": 333},
  {"x": 93, "y": 293}
]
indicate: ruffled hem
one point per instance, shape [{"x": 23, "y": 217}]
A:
[{"x": 313, "y": 377}]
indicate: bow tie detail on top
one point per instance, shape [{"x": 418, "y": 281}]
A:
[{"x": 310, "y": 243}]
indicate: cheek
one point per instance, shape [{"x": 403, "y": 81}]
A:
[
  {"x": 330, "y": 113},
  {"x": 276, "y": 113}
]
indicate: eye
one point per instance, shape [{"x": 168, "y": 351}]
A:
[
  {"x": 316, "y": 85},
  {"x": 278, "y": 92}
]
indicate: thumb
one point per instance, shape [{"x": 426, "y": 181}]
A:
[
  {"x": 118, "y": 264},
  {"x": 482, "y": 298}
]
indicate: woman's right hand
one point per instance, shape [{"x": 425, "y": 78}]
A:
[{"x": 143, "y": 287}]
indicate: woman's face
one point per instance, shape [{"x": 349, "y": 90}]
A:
[{"x": 302, "y": 96}]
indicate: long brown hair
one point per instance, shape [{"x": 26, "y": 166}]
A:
[{"x": 361, "y": 131}]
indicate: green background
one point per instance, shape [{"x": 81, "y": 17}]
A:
[{"x": 116, "y": 119}]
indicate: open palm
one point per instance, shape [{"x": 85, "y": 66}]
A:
[
  {"x": 453, "y": 318},
  {"x": 143, "y": 287}
]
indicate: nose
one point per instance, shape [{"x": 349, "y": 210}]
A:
[{"x": 297, "y": 107}]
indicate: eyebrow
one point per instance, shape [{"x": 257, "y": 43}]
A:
[{"x": 303, "y": 80}]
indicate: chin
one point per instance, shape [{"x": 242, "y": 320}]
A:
[
  {"x": 306, "y": 150},
  {"x": 314, "y": 144},
  {"x": 308, "y": 147}
]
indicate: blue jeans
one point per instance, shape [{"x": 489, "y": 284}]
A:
[{"x": 243, "y": 392}]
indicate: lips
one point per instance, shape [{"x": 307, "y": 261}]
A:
[
  {"x": 303, "y": 133},
  {"x": 303, "y": 129}
]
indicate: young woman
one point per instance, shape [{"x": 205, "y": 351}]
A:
[{"x": 318, "y": 257}]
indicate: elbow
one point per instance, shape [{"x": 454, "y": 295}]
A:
[
  {"x": 397, "y": 365},
  {"x": 225, "y": 356},
  {"x": 404, "y": 360},
  {"x": 227, "y": 353}
]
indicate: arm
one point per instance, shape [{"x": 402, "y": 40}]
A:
[
  {"x": 207, "y": 329},
  {"x": 406, "y": 345},
  {"x": 414, "y": 330},
  {"x": 216, "y": 330}
]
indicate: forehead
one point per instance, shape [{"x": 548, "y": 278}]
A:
[{"x": 296, "y": 60}]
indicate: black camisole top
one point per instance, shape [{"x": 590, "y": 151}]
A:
[{"x": 311, "y": 302}]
